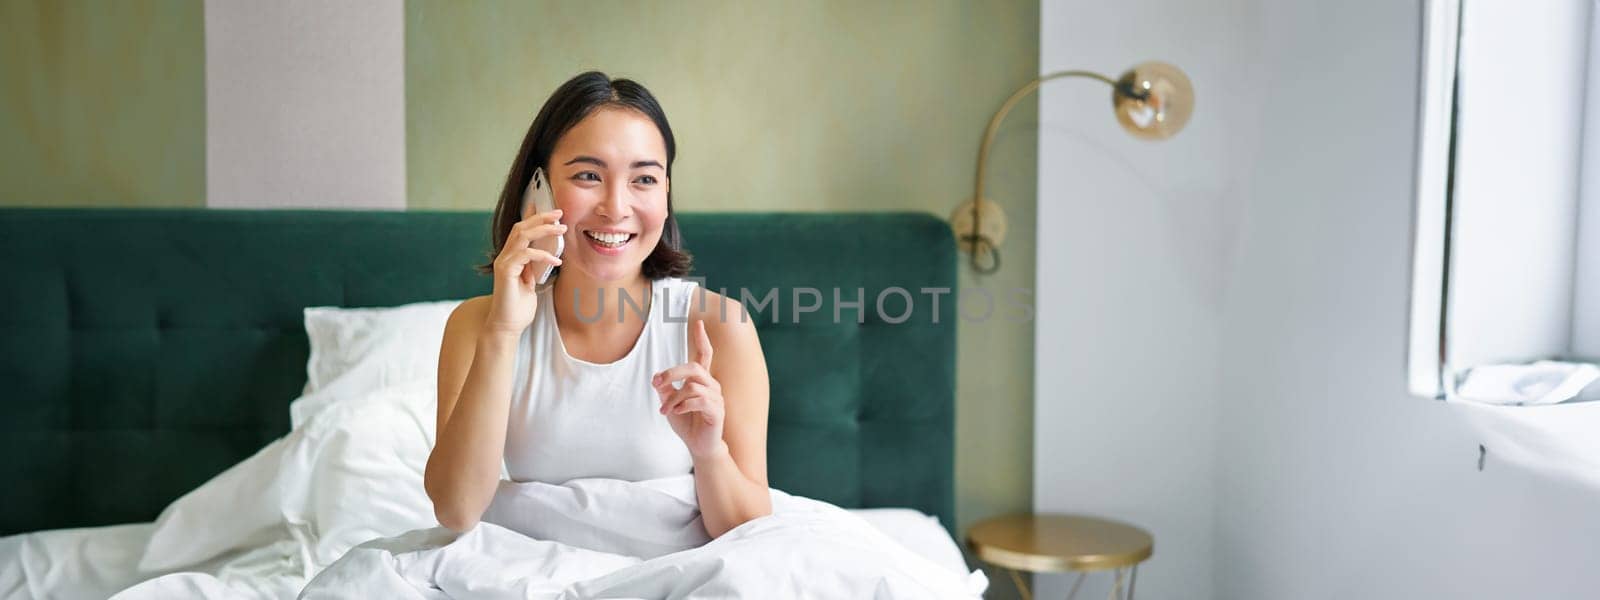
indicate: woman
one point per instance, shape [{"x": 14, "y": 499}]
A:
[{"x": 560, "y": 383}]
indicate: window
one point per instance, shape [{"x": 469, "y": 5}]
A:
[{"x": 1506, "y": 263}]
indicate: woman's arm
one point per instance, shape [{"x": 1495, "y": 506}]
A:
[
  {"x": 475, "y": 372},
  {"x": 730, "y": 452}
]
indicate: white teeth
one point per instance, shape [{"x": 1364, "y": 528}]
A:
[{"x": 609, "y": 239}]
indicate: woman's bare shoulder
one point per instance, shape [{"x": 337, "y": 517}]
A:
[
  {"x": 717, "y": 310},
  {"x": 468, "y": 317}
]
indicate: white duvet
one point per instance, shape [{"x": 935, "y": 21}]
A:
[
  {"x": 335, "y": 509},
  {"x": 805, "y": 549}
]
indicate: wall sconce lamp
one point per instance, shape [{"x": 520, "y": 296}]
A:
[{"x": 1152, "y": 101}]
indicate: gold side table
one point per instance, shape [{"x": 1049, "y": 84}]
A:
[{"x": 1055, "y": 543}]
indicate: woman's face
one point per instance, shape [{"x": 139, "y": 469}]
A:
[{"x": 609, "y": 178}]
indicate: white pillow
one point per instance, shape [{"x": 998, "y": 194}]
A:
[
  {"x": 360, "y": 350},
  {"x": 920, "y": 532}
]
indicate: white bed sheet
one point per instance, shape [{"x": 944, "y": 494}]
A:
[
  {"x": 98, "y": 562},
  {"x": 86, "y": 562}
]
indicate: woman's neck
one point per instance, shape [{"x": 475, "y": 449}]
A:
[{"x": 587, "y": 306}]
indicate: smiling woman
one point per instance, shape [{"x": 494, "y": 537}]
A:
[
  {"x": 587, "y": 122},
  {"x": 532, "y": 382}
]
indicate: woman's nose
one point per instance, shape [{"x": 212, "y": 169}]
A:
[{"x": 614, "y": 205}]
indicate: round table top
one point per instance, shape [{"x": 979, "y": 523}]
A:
[{"x": 1031, "y": 542}]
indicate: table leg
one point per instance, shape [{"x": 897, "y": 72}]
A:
[
  {"x": 1116, "y": 591},
  {"x": 1021, "y": 586},
  {"x": 1075, "y": 584},
  {"x": 1133, "y": 580}
]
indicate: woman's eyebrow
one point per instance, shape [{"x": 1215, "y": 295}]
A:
[
  {"x": 602, "y": 164},
  {"x": 587, "y": 159}
]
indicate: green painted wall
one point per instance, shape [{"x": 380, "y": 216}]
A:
[
  {"x": 102, "y": 103},
  {"x": 817, "y": 106}
]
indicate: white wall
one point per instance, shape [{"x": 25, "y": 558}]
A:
[
  {"x": 1333, "y": 482},
  {"x": 305, "y": 104},
  {"x": 1130, "y": 245}
]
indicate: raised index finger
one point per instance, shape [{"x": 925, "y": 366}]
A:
[{"x": 702, "y": 344}]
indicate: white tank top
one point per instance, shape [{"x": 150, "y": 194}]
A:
[{"x": 572, "y": 418}]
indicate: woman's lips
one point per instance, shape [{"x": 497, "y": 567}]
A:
[{"x": 614, "y": 248}]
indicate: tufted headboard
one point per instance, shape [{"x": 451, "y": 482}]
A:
[{"x": 143, "y": 351}]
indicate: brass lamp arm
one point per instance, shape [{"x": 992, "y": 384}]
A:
[
  {"x": 976, "y": 238},
  {"x": 1152, "y": 101},
  {"x": 1000, "y": 115}
]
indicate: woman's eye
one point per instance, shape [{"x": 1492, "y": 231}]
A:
[
  {"x": 646, "y": 179},
  {"x": 587, "y": 176}
]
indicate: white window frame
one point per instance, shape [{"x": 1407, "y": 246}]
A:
[
  {"x": 1425, "y": 365},
  {"x": 1564, "y": 293}
]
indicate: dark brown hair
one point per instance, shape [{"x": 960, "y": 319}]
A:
[{"x": 574, "y": 100}]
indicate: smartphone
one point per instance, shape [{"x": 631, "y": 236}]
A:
[{"x": 538, "y": 195}]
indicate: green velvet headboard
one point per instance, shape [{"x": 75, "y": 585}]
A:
[{"x": 143, "y": 351}]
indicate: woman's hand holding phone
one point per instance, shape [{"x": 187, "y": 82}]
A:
[{"x": 516, "y": 273}]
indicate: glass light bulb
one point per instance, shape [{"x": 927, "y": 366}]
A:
[{"x": 1153, "y": 100}]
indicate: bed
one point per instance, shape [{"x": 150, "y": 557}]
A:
[{"x": 144, "y": 351}]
